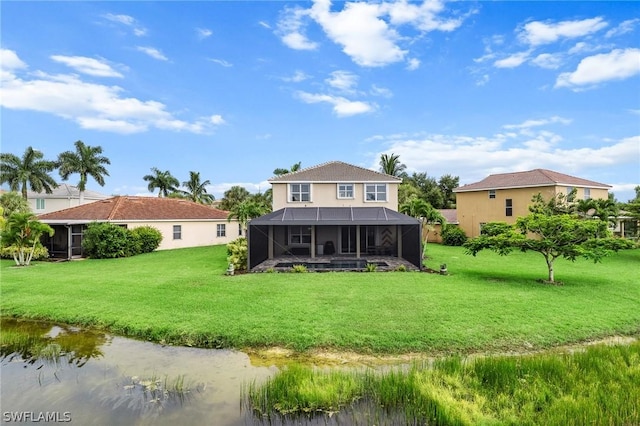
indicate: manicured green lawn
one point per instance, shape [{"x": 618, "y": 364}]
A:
[{"x": 486, "y": 303}]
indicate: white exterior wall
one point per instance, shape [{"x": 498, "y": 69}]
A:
[
  {"x": 326, "y": 195},
  {"x": 55, "y": 204},
  {"x": 194, "y": 233}
]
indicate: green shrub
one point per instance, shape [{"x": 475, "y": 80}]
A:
[
  {"x": 371, "y": 267},
  {"x": 106, "y": 240},
  {"x": 299, "y": 268},
  {"x": 401, "y": 268},
  {"x": 40, "y": 252},
  {"x": 453, "y": 236},
  {"x": 495, "y": 228},
  {"x": 237, "y": 254},
  {"x": 148, "y": 237}
]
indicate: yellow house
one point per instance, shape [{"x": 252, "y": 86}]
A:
[{"x": 505, "y": 196}]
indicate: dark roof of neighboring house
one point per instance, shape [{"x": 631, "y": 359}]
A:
[
  {"x": 124, "y": 208},
  {"x": 334, "y": 216},
  {"x": 531, "y": 178},
  {"x": 335, "y": 171},
  {"x": 67, "y": 191},
  {"x": 450, "y": 214}
]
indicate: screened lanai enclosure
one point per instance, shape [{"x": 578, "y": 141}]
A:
[{"x": 336, "y": 232}]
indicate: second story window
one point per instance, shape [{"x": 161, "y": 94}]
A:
[
  {"x": 39, "y": 203},
  {"x": 508, "y": 211},
  {"x": 376, "y": 192},
  {"x": 345, "y": 190},
  {"x": 587, "y": 193},
  {"x": 492, "y": 193},
  {"x": 300, "y": 192}
]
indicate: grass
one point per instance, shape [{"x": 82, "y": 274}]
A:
[
  {"x": 486, "y": 303},
  {"x": 597, "y": 386}
]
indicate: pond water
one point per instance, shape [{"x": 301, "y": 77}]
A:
[{"x": 92, "y": 378}]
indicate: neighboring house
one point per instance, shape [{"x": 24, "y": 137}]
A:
[
  {"x": 506, "y": 196},
  {"x": 63, "y": 197},
  {"x": 334, "y": 209},
  {"x": 435, "y": 235},
  {"x": 182, "y": 223}
]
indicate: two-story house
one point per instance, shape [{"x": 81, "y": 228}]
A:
[
  {"x": 504, "y": 197},
  {"x": 334, "y": 209},
  {"x": 62, "y": 197}
]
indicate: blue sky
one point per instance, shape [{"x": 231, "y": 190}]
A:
[{"x": 234, "y": 90}]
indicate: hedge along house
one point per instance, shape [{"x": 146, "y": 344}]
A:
[
  {"x": 182, "y": 223},
  {"x": 506, "y": 196},
  {"x": 334, "y": 210}
]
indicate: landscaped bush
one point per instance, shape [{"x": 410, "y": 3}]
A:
[
  {"x": 106, "y": 240},
  {"x": 453, "y": 236},
  {"x": 148, "y": 237},
  {"x": 237, "y": 254},
  {"x": 40, "y": 252}
]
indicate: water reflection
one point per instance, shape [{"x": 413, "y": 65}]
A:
[{"x": 98, "y": 379}]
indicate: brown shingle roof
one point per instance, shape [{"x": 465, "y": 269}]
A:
[
  {"x": 125, "y": 208},
  {"x": 335, "y": 171},
  {"x": 531, "y": 178},
  {"x": 451, "y": 215}
]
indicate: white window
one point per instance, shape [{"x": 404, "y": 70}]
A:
[
  {"x": 587, "y": 193},
  {"x": 345, "y": 190},
  {"x": 492, "y": 193},
  {"x": 299, "y": 235},
  {"x": 39, "y": 203},
  {"x": 177, "y": 232},
  {"x": 299, "y": 192},
  {"x": 376, "y": 192},
  {"x": 221, "y": 230}
]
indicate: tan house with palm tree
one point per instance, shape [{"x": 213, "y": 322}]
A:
[
  {"x": 334, "y": 209},
  {"x": 506, "y": 196}
]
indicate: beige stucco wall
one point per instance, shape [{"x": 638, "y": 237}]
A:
[
  {"x": 326, "y": 195},
  {"x": 474, "y": 208},
  {"x": 194, "y": 233}
]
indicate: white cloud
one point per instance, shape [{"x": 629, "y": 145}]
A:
[
  {"x": 90, "y": 66},
  {"x": 615, "y": 65},
  {"x": 537, "y": 33},
  {"x": 91, "y": 106},
  {"x": 548, "y": 60},
  {"x": 344, "y": 81},
  {"x": 203, "y": 33},
  {"x": 484, "y": 79},
  {"x": 291, "y": 28},
  {"x": 473, "y": 158},
  {"x": 368, "y": 32},
  {"x": 9, "y": 61},
  {"x": 625, "y": 27},
  {"x": 128, "y": 21},
  {"x": 512, "y": 61},
  {"x": 297, "y": 77},
  {"x": 264, "y": 24},
  {"x": 528, "y": 124},
  {"x": 153, "y": 52},
  {"x": 413, "y": 64},
  {"x": 381, "y": 91},
  {"x": 221, "y": 62},
  {"x": 342, "y": 107}
]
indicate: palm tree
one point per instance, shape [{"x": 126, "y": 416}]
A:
[
  {"x": 420, "y": 209},
  {"x": 22, "y": 233},
  {"x": 232, "y": 196},
  {"x": 196, "y": 190},
  {"x": 86, "y": 161},
  {"x": 390, "y": 164},
  {"x": 294, "y": 168},
  {"x": 247, "y": 210},
  {"x": 29, "y": 171},
  {"x": 164, "y": 181}
]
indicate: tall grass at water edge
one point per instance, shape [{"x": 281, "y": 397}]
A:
[{"x": 597, "y": 386}]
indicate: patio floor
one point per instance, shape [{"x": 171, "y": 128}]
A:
[{"x": 391, "y": 263}]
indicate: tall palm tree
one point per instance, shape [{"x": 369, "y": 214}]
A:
[
  {"x": 164, "y": 181},
  {"x": 196, "y": 190},
  {"x": 30, "y": 171},
  {"x": 232, "y": 196},
  {"x": 86, "y": 161},
  {"x": 390, "y": 164}
]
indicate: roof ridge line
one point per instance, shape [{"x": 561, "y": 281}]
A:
[{"x": 115, "y": 208}]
